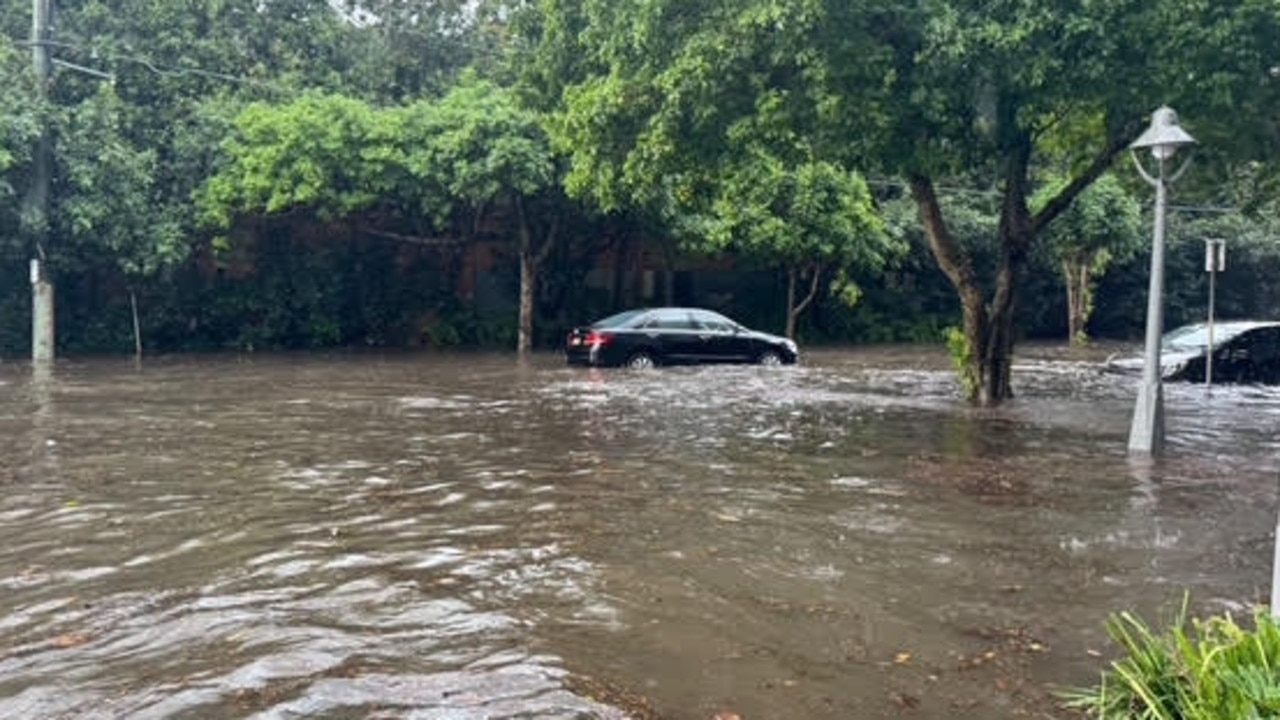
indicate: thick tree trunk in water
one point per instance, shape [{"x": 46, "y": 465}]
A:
[
  {"x": 1015, "y": 242},
  {"x": 958, "y": 268},
  {"x": 987, "y": 325}
]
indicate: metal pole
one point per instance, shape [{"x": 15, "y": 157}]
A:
[
  {"x": 35, "y": 207},
  {"x": 1275, "y": 572},
  {"x": 41, "y": 314},
  {"x": 1213, "y": 275},
  {"x": 1146, "y": 435}
]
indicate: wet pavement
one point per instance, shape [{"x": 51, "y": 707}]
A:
[{"x": 454, "y": 536}]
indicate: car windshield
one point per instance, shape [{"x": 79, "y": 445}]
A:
[
  {"x": 614, "y": 321},
  {"x": 1196, "y": 337}
]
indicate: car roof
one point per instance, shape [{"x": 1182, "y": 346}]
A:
[
  {"x": 1241, "y": 325},
  {"x": 671, "y": 308},
  {"x": 1244, "y": 325},
  {"x": 678, "y": 307}
]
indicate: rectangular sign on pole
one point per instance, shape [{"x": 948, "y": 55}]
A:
[{"x": 1215, "y": 255}]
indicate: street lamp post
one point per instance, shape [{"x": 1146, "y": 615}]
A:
[{"x": 1162, "y": 138}]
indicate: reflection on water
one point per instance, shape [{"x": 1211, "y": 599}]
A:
[{"x": 452, "y": 536}]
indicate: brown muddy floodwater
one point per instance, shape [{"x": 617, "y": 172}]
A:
[{"x": 455, "y": 537}]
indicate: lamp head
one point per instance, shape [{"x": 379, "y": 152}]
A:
[{"x": 1164, "y": 136}]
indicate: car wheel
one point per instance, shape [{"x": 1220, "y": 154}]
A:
[
  {"x": 641, "y": 361},
  {"x": 769, "y": 357}
]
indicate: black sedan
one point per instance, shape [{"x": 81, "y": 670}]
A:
[
  {"x": 1243, "y": 352},
  {"x": 668, "y": 336}
]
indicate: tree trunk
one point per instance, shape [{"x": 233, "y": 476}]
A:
[
  {"x": 1068, "y": 277},
  {"x": 531, "y": 259},
  {"x": 1015, "y": 248},
  {"x": 137, "y": 327},
  {"x": 1086, "y": 298},
  {"x": 794, "y": 310},
  {"x": 987, "y": 358},
  {"x": 958, "y": 268},
  {"x": 791, "y": 302},
  {"x": 988, "y": 327},
  {"x": 1079, "y": 297},
  {"x": 620, "y": 251},
  {"x": 528, "y": 280}
]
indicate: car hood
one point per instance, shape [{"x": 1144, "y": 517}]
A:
[
  {"x": 769, "y": 337},
  {"x": 1170, "y": 362}
]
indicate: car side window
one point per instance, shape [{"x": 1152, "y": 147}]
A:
[
  {"x": 714, "y": 322},
  {"x": 670, "y": 320},
  {"x": 1266, "y": 344},
  {"x": 1238, "y": 347}
]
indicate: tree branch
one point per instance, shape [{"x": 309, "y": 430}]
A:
[
  {"x": 1100, "y": 164},
  {"x": 544, "y": 252},
  {"x": 813, "y": 290},
  {"x": 415, "y": 239},
  {"x": 951, "y": 259}
]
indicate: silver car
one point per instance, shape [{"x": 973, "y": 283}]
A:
[{"x": 1244, "y": 351}]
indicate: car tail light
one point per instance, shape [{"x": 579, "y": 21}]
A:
[{"x": 596, "y": 339}]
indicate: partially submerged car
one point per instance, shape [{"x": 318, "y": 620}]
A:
[
  {"x": 673, "y": 335},
  {"x": 1244, "y": 351}
]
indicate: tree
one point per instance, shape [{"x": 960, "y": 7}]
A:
[
  {"x": 130, "y": 209},
  {"x": 457, "y": 162},
  {"x": 1004, "y": 86},
  {"x": 329, "y": 154},
  {"x": 106, "y": 204},
  {"x": 485, "y": 153},
  {"x": 406, "y": 49},
  {"x": 19, "y": 130},
  {"x": 815, "y": 219},
  {"x": 1102, "y": 225},
  {"x": 927, "y": 91}
]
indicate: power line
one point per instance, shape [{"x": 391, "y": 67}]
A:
[
  {"x": 953, "y": 190},
  {"x": 1204, "y": 209},
  {"x": 948, "y": 189},
  {"x": 162, "y": 70},
  {"x": 86, "y": 70}
]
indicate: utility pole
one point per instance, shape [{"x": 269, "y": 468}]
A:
[{"x": 35, "y": 206}]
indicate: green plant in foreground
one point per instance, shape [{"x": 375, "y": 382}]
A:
[{"x": 1212, "y": 670}]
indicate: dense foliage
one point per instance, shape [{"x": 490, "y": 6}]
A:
[
  {"x": 306, "y": 173},
  {"x": 991, "y": 92},
  {"x": 1103, "y": 225}
]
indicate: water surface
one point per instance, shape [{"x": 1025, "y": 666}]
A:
[{"x": 455, "y": 536}]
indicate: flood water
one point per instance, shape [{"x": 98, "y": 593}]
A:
[{"x": 453, "y": 536}]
